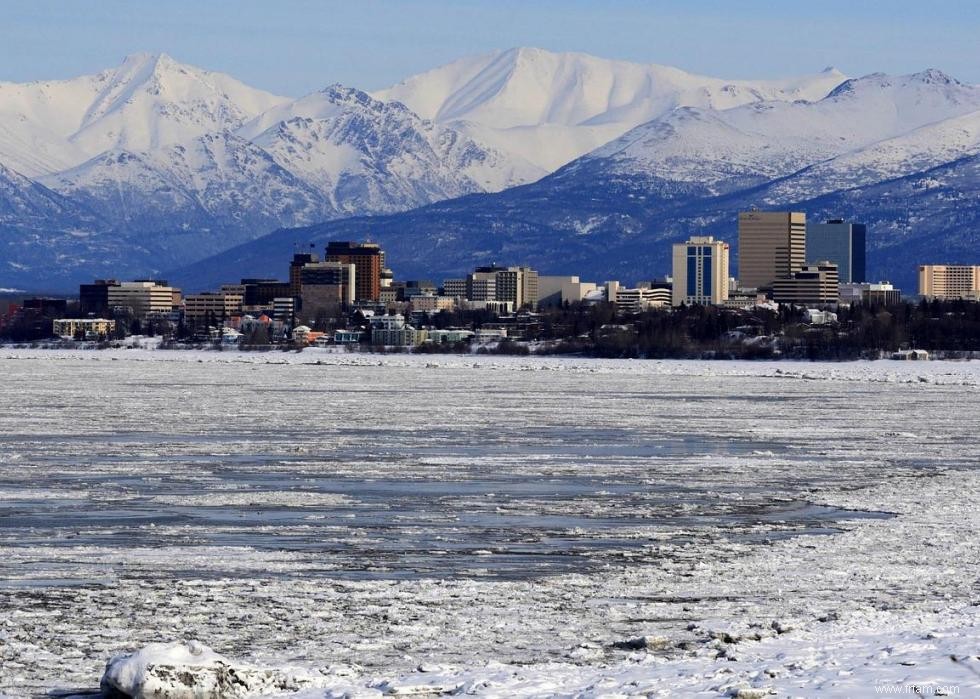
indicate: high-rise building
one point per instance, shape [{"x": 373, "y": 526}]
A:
[
  {"x": 839, "y": 242},
  {"x": 326, "y": 287},
  {"x": 771, "y": 245},
  {"x": 950, "y": 281},
  {"x": 144, "y": 297},
  {"x": 93, "y": 299},
  {"x": 700, "y": 271},
  {"x": 481, "y": 285},
  {"x": 813, "y": 284},
  {"x": 454, "y": 287},
  {"x": 259, "y": 293},
  {"x": 300, "y": 260},
  {"x": 368, "y": 260},
  {"x": 517, "y": 286}
]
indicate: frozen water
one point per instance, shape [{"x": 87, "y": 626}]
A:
[{"x": 365, "y": 517}]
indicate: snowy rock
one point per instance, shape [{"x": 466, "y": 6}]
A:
[
  {"x": 644, "y": 643},
  {"x": 190, "y": 670}
]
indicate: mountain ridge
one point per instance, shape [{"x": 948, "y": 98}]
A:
[{"x": 190, "y": 163}]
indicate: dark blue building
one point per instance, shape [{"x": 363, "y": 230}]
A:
[{"x": 841, "y": 243}]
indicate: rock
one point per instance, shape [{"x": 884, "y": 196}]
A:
[
  {"x": 751, "y": 692},
  {"x": 643, "y": 643},
  {"x": 191, "y": 670},
  {"x": 783, "y": 626}
]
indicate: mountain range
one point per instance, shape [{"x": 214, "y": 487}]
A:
[{"x": 569, "y": 162}]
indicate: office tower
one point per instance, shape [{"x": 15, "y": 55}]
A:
[
  {"x": 771, "y": 245},
  {"x": 839, "y": 242},
  {"x": 259, "y": 293},
  {"x": 144, "y": 297},
  {"x": 326, "y": 287},
  {"x": 211, "y": 308},
  {"x": 300, "y": 260},
  {"x": 368, "y": 260},
  {"x": 700, "y": 271},
  {"x": 517, "y": 286},
  {"x": 950, "y": 281},
  {"x": 93, "y": 299}
]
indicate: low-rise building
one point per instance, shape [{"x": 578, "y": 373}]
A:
[
  {"x": 349, "y": 336},
  {"x": 84, "y": 328},
  {"x": 815, "y": 316},
  {"x": 393, "y": 331},
  {"x": 449, "y": 336},
  {"x": 211, "y": 308},
  {"x": 430, "y": 303},
  {"x": 879, "y": 294},
  {"x": 632, "y": 301},
  {"x": 559, "y": 290},
  {"x": 487, "y": 335}
]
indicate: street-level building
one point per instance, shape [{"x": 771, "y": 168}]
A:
[
  {"x": 449, "y": 336},
  {"x": 84, "y": 328},
  {"x": 392, "y": 331},
  {"x": 700, "y": 272},
  {"x": 430, "y": 303},
  {"x": 877, "y": 294}
]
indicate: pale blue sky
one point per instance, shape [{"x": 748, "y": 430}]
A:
[{"x": 295, "y": 46}]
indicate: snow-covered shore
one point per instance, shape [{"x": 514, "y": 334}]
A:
[{"x": 715, "y": 604}]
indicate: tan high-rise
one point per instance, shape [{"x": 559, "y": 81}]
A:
[
  {"x": 949, "y": 281},
  {"x": 771, "y": 245}
]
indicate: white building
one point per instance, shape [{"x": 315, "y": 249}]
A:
[
  {"x": 88, "y": 328},
  {"x": 392, "y": 331},
  {"x": 700, "y": 271},
  {"x": 559, "y": 290},
  {"x": 143, "y": 297}
]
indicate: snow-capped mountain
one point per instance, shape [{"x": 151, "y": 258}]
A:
[
  {"x": 369, "y": 156},
  {"x": 148, "y": 102},
  {"x": 553, "y": 107},
  {"x": 218, "y": 184},
  {"x": 728, "y": 149},
  {"x": 879, "y": 149},
  {"x": 154, "y": 164}
]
